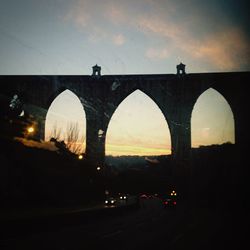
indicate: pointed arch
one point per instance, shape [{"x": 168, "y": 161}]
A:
[
  {"x": 212, "y": 120},
  {"x": 138, "y": 127},
  {"x": 66, "y": 113}
]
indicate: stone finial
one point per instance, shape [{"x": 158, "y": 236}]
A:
[
  {"x": 96, "y": 70},
  {"x": 181, "y": 69}
]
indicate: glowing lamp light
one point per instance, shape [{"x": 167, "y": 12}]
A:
[
  {"x": 80, "y": 157},
  {"x": 30, "y": 130},
  {"x": 98, "y": 168},
  {"x": 173, "y": 193}
]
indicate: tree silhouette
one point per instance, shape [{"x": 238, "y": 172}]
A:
[
  {"x": 71, "y": 137},
  {"x": 56, "y": 132}
]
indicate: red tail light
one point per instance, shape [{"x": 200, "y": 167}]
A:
[
  {"x": 174, "y": 202},
  {"x": 165, "y": 202}
]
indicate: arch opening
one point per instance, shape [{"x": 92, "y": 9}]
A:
[
  {"x": 138, "y": 128},
  {"x": 66, "y": 121},
  {"x": 212, "y": 120}
]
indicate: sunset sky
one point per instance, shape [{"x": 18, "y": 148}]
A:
[{"x": 63, "y": 37}]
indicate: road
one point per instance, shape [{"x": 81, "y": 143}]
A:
[{"x": 149, "y": 226}]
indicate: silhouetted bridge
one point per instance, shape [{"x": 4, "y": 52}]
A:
[{"x": 175, "y": 95}]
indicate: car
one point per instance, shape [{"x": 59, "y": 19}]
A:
[
  {"x": 169, "y": 201},
  {"x": 143, "y": 196},
  {"x": 110, "y": 201},
  {"x": 123, "y": 197}
]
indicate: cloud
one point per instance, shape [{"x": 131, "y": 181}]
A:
[
  {"x": 118, "y": 39},
  {"x": 179, "y": 36},
  {"x": 159, "y": 27},
  {"x": 153, "y": 53},
  {"x": 97, "y": 20},
  {"x": 115, "y": 14},
  {"x": 96, "y": 35},
  {"x": 78, "y": 13},
  {"x": 227, "y": 50}
]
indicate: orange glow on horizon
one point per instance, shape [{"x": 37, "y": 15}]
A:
[{"x": 121, "y": 150}]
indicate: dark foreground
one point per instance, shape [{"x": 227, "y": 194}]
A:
[{"x": 146, "y": 225}]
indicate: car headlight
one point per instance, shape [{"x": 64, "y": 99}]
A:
[
  {"x": 121, "y": 197},
  {"x": 112, "y": 201},
  {"x": 125, "y": 197},
  {"x": 106, "y": 202}
]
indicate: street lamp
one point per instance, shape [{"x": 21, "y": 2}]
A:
[
  {"x": 80, "y": 157},
  {"x": 173, "y": 193},
  {"x": 30, "y": 130}
]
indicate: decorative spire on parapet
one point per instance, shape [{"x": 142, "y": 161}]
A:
[
  {"x": 96, "y": 71},
  {"x": 181, "y": 69}
]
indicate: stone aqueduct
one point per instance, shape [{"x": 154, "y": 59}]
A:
[{"x": 175, "y": 95}]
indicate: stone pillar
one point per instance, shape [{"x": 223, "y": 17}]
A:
[
  {"x": 240, "y": 177},
  {"x": 181, "y": 138},
  {"x": 181, "y": 148},
  {"x": 95, "y": 136}
]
